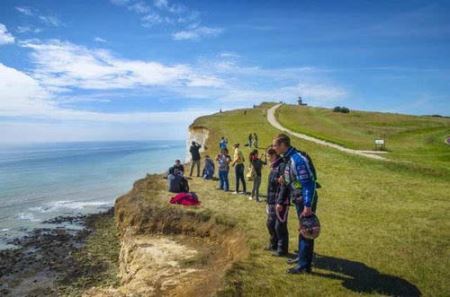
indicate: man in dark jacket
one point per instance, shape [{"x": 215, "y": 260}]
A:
[
  {"x": 195, "y": 154},
  {"x": 273, "y": 187}
]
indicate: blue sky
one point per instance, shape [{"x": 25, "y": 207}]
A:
[{"x": 144, "y": 69}]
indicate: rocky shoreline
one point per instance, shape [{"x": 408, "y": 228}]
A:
[{"x": 49, "y": 260}]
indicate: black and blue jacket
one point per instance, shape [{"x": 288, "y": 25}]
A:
[{"x": 300, "y": 176}]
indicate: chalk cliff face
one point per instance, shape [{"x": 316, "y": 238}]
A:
[
  {"x": 169, "y": 250},
  {"x": 199, "y": 135}
]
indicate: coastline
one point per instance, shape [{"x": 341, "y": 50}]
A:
[
  {"x": 61, "y": 261},
  {"x": 57, "y": 261}
]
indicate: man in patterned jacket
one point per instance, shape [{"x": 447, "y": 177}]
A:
[{"x": 299, "y": 177}]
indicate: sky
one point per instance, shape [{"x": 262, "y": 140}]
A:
[{"x": 145, "y": 69}]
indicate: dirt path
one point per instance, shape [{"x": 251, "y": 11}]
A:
[{"x": 274, "y": 122}]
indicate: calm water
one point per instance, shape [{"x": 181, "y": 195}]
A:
[{"x": 42, "y": 181}]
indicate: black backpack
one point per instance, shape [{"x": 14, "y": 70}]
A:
[{"x": 313, "y": 168}]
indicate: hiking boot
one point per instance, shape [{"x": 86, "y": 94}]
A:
[
  {"x": 270, "y": 248},
  {"x": 298, "y": 270},
  {"x": 293, "y": 261}
]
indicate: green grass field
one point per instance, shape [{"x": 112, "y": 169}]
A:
[
  {"x": 410, "y": 138},
  {"x": 386, "y": 226}
]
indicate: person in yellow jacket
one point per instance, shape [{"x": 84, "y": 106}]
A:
[{"x": 238, "y": 163}]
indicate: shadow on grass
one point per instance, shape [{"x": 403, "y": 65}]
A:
[{"x": 359, "y": 277}]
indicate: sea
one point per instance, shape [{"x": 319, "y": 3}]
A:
[{"x": 43, "y": 181}]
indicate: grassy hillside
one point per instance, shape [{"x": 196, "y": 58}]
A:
[
  {"x": 407, "y": 137},
  {"x": 386, "y": 229}
]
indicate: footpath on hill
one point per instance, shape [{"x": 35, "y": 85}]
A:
[{"x": 271, "y": 118}]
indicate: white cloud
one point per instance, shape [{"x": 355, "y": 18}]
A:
[
  {"x": 139, "y": 7},
  {"x": 62, "y": 65},
  {"x": 23, "y": 96},
  {"x": 50, "y": 20},
  {"x": 99, "y": 39},
  {"x": 152, "y": 19},
  {"x": 5, "y": 36},
  {"x": 46, "y": 19},
  {"x": 26, "y": 29},
  {"x": 25, "y": 10},
  {"x": 197, "y": 33}
]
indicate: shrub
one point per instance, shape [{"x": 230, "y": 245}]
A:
[{"x": 342, "y": 109}]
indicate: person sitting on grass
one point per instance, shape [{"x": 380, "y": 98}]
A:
[
  {"x": 257, "y": 165},
  {"x": 208, "y": 171},
  {"x": 177, "y": 169},
  {"x": 238, "y": 163},
  {"x": 224, "y": 167}
]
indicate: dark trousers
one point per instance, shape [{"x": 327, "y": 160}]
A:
[
  {"x": 305, "y": 246},
  {"x": 281, "y": 229},
  {"x": 224, "y": 184},
  {"x": 239, "y": 172},
  {"x": 271, "y": 222},
  {"x": 256, "y": 185},
  {"x": 193, "y": 164}
]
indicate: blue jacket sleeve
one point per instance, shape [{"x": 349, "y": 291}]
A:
[{"x": 304, "y": 175}]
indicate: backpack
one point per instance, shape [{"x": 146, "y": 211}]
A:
[{"x": 313, "y": 169}]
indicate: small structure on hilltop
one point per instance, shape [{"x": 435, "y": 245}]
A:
[
  {"x": 300, "y": 101},
  {"x": 380, "y": 145}
]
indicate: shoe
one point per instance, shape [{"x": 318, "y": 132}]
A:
[
  {"x": 250, "y": 198},
  {"x": 270, "y": 248},
  {"x": 293, "y": 261},
  {"x": 298, "y": 270},
  {"x": 279, "y": 254},
  {"x": 235, "y": 193},
  {"x": 242, "y": 193}
]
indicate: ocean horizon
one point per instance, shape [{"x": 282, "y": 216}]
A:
[{"x": 41, "y": 181}]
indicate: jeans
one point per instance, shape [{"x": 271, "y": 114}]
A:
[
  {"x": 256, "y": 185},
  {"x": 305, "y": 246},
  {"x": 193, "y": 164},
  {"x": 239, "y": 171},
  {"x": 224, "y": 184}
]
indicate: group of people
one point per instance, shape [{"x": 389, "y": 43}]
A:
[{"x": 292, "y": 180}]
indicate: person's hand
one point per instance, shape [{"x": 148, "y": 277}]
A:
[
  {"x": 281, "y": 180},
  {"x": 307, "y": 212},
  {"x": 279, "y": 208}
]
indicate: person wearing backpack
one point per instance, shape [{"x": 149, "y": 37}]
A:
[
  {"x": 195, "y": 155},
  {"x": 299, "y": 178}
]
